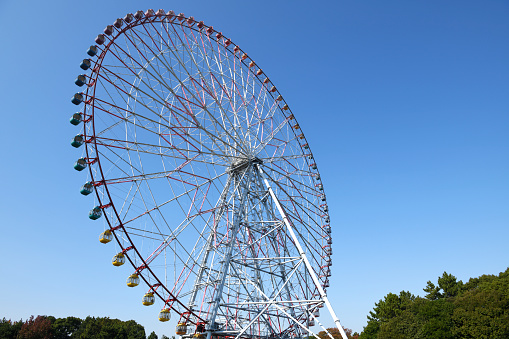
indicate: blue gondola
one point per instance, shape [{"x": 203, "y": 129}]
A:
[
  {"x": 80, "y": 164},
  {"x": 92, "y": 50},
  {"x": 85, "y": 64},
  {"x": 77, "y": 141},
  {"x": 77, "y": 98},
  {"x": 87, "y": 188},
  {"x": 95, "y": 213},
  {"x": 76, "y": 119},
  {"x": 80, "y": 80}
]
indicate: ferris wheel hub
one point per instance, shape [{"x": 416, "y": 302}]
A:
[{"x": 241, "y": 164}]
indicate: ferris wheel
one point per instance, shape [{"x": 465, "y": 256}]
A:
[{"x": 204, "y": 179}]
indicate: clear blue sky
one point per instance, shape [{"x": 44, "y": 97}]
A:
[{"x": 405, "y": 104}]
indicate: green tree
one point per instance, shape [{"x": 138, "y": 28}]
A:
[
  {"x": 432, "y": 291},
  {"x": 152, "y": 335},
  {"x": 449, "y": 285},
  {"x": 134, "y": 330},
  {"x": 370, "y": 330},
  {"x": 390, "y": 307},
  {"x": 65, "y": 327},
  {"x": 9, "y": 329}
]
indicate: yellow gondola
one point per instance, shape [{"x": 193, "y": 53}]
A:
[
  {"x": 164, "y": 315},
  {"x": 133, "y": 280},
  {"x": 181, "y": 329},
  {"x": 148, "y": 299},
  {"x": 118, "y": 259},
  {"x": 105, "y": 237}
]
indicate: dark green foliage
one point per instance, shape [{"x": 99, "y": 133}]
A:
[
  {"x": 65, "y": 327},
  {"x": 135, "y": 330},
  {"x": 406, "y": 325},
  {"x": 449, "y": 285},
  {"x": 389, "y": 308},
  {"x": 433, "y": 292},
  {"x": 483, "y": 312},
  {"x": 152, "y": 335},
  {"x": 9, "y": 329},
  {"x": 371, "y": 330},
  {"x": 450, "y": 310},
  {"x": 50, "y": 327},
  {"x": 109, "y": 328}
]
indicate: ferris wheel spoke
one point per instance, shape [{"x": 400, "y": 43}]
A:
[
  {"x": 192, "y": 217},
  {"x": 125, "y": 119},
  {"x": 151, "y": 176},
  {"x": 262, "y": 95},
  {"x": 191, "y": 56},
  {"x": 269, "y": 118},
  {"x": 287, "y": 175},
  {"x": 274, "y": 132},
  {"x": 162, "y": 82},
  {"x": 188, "y": 263},
  {"x": 115, "y": 164},
  {"x": 182, "y": 194},
  {"x": 182, "y": 84},
  {"x": 155, "y": 150},
  {"x": 276, "y": 158},
  {"x": 221, "y": 203}
]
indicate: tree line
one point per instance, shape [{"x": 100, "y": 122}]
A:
[{"x": 49, "y": 327}]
